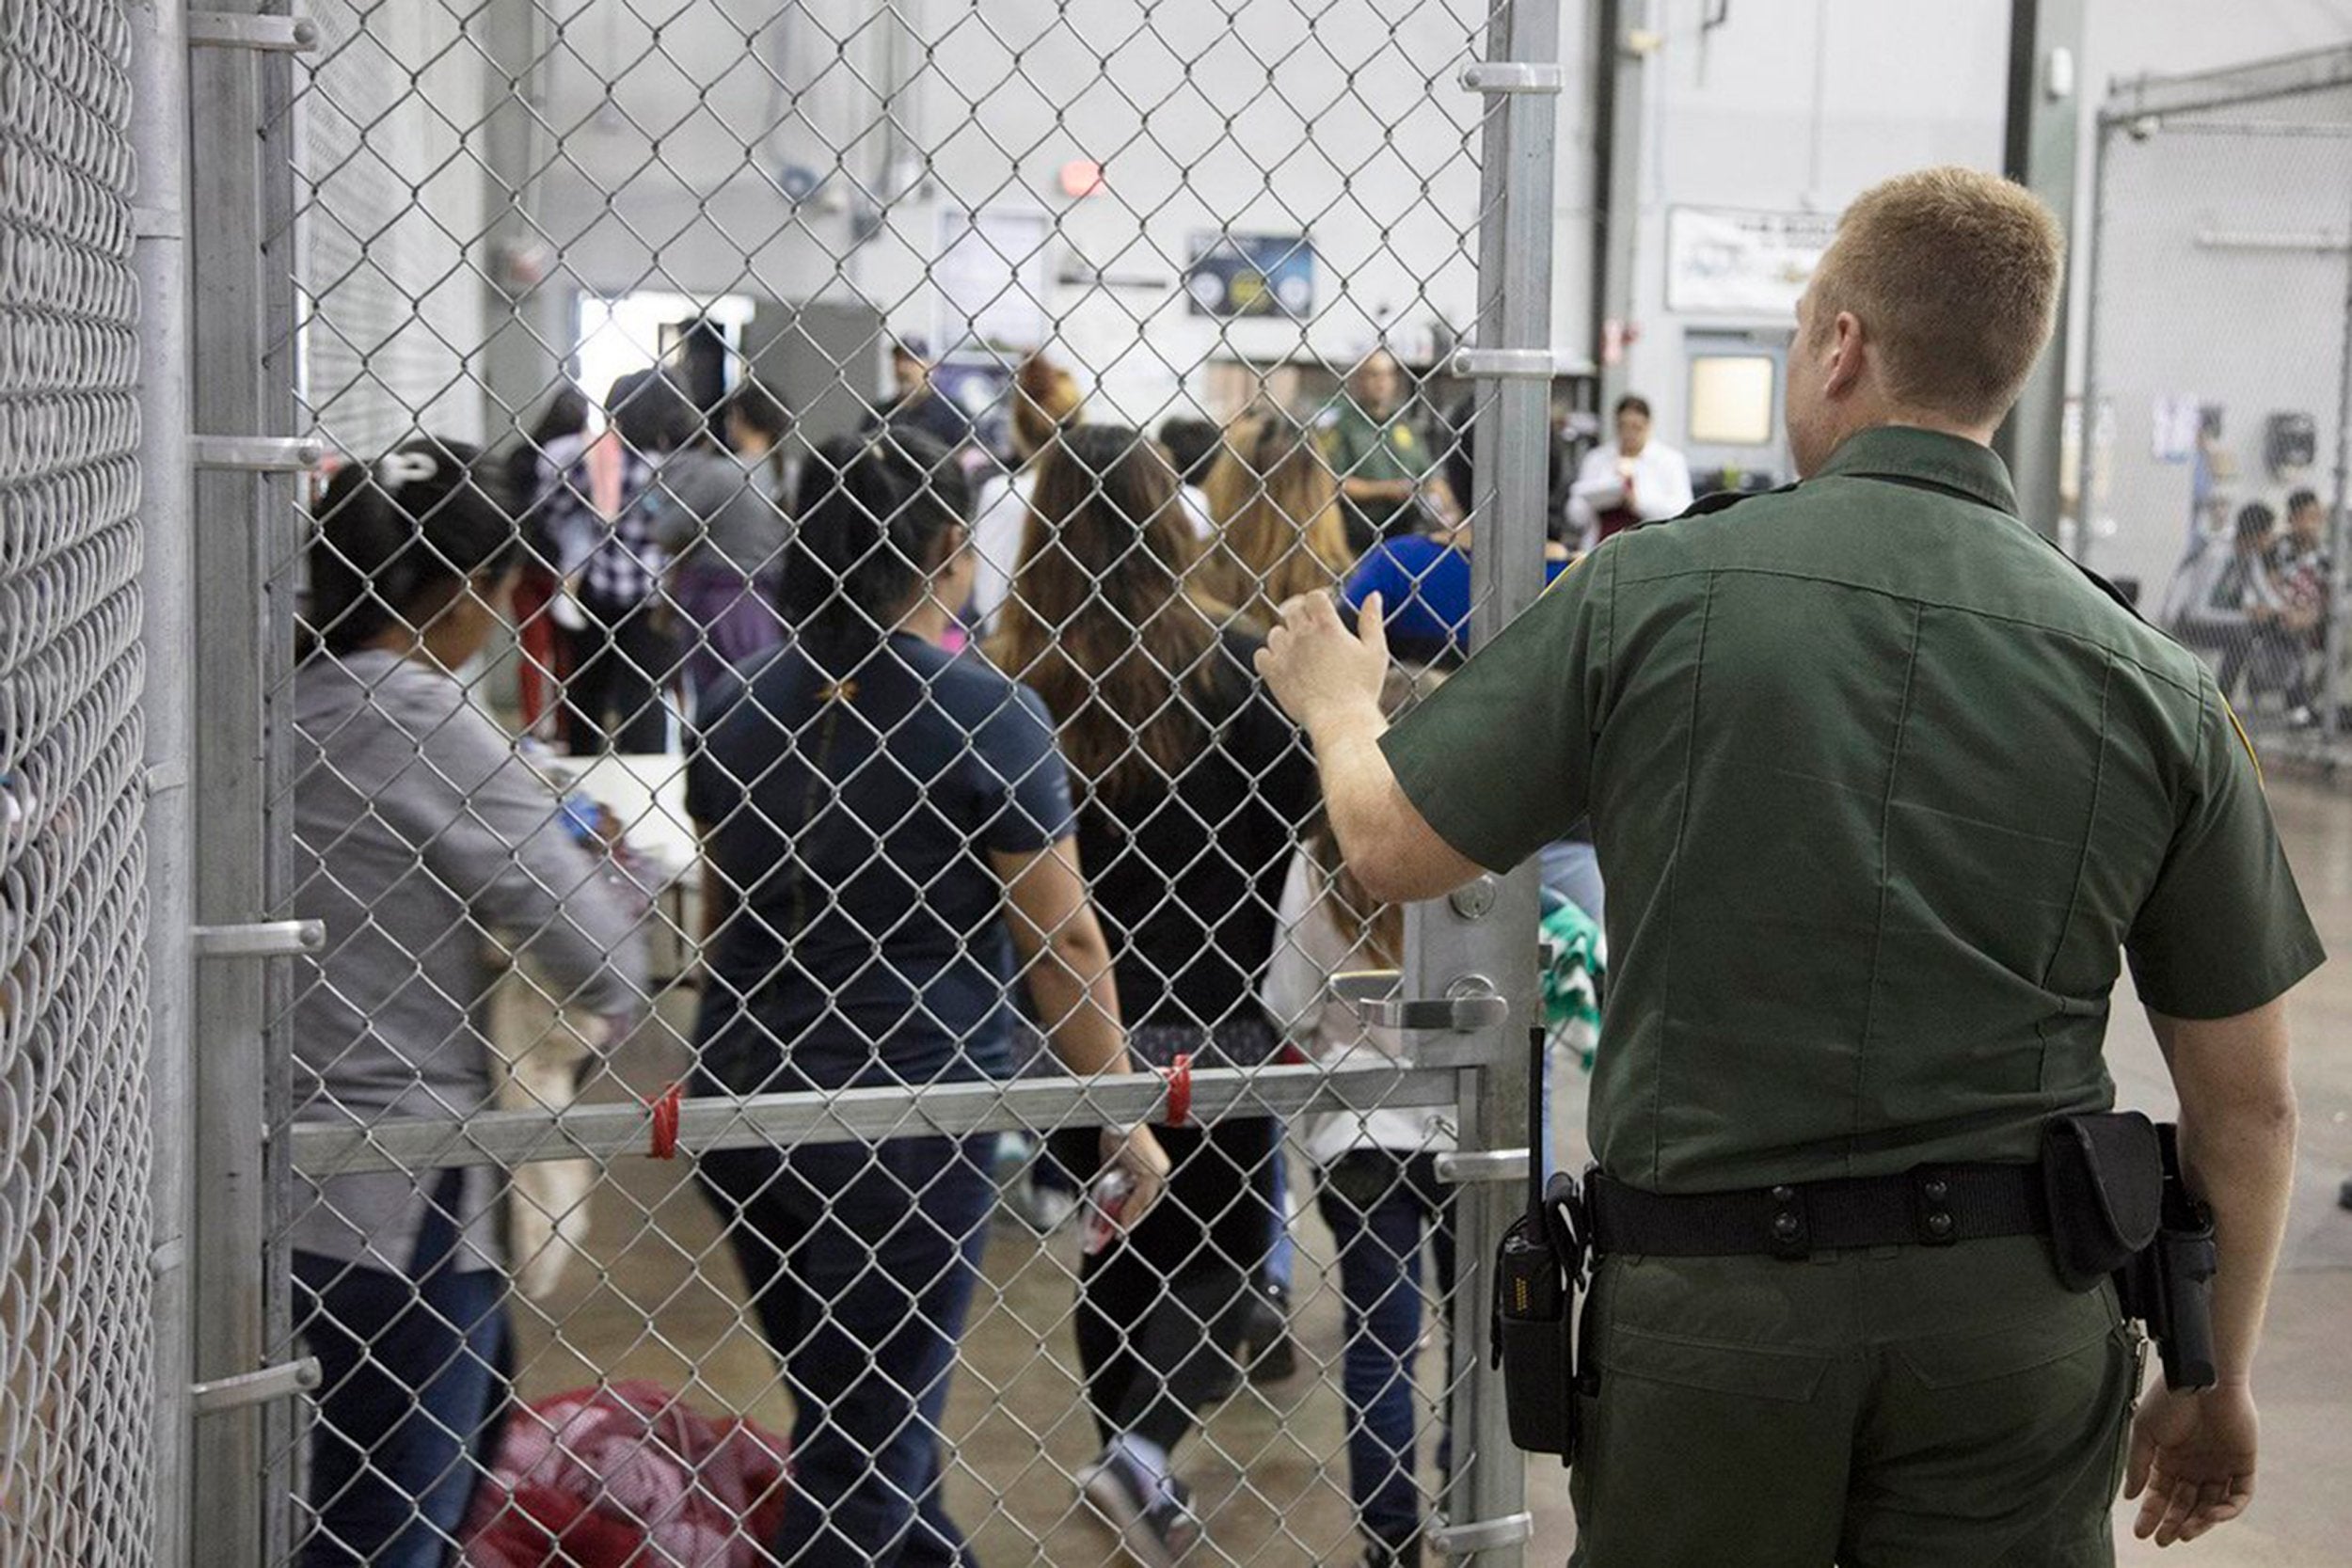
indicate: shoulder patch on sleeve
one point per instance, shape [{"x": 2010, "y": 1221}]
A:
[{"x": 2251, "y": 755}]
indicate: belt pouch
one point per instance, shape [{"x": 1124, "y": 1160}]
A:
[{"x": 2103, "y": 1174}]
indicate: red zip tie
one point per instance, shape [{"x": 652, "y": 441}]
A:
[
  {"x": 666, "y": 1111},
  {"x": 1180, "y": 1090}
]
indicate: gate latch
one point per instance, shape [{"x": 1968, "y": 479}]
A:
[
  {"x": 1469, "y": 1005},
  {"x": 1514, "y": 76},
  {"x": 259, "y": 454},
  {"x": 1483, "y": 1535},
  {"x": 270, "y": 1382},
  {"x": 1459, "y": 1168},
  {"x": 264, "y": 939},
  {"x": 269, "y": 35}
]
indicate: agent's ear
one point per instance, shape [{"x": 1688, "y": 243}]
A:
[{"x": 1849, "y": 354}]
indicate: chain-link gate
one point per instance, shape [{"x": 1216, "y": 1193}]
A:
[
  {"x": 885, "y": 431},
  {"x": 2220, "y": 351},
  {"x": 78, "y": 1424}
]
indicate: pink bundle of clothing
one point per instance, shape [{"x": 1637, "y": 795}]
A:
[{"x": 626, "y": 1475}]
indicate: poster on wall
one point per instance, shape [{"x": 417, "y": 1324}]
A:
[
  {"x": 991, "y": 277},
  {"x": 2174, "y": 424},
  {"x": 1251, "y": 275},
  {"x": 1724, "y": 261}
]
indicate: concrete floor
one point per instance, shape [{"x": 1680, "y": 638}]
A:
[{"x": 662, "y": 1302}]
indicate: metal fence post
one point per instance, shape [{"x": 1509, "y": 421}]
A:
[
  {"x": 241, "y": 199},
  {"x": 2087, "y": 438},
  {"x": 159, "y": 129},
  {"x": 2331, "y": 659},
  {"x": 1486, "y": 1518}
]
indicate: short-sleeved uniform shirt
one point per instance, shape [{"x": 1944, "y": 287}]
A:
[
  {"x": 854, "y": 818},
  {"x": 1882, "y": 786},
  {"x": 1358, "y": 446}
]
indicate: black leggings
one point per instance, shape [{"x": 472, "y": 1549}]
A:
[
  {"x": 1160, "y": 1313},
  {"x": 613, "y": 698}
]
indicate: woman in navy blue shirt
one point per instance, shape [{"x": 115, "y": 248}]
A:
[{"x": 887, "y": 827}]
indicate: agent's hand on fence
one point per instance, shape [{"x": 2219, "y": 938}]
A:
[
  {"x": 1320, "y": 670},
  {"x": 1137, "y": 1152},
  {"x": 2193, "y": 1455}
]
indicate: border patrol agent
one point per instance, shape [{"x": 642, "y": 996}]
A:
[
  {"x": 1883, "y": 787},
  {"x": 1381, "y": 463}
]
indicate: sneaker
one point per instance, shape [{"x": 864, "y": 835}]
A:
[
  {"x": 1381, "y": 1555},
  {"x": 1156, "y": 1533},
  {"x": 1267, "y": 1347}
]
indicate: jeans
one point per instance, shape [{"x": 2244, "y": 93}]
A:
[
  {"x": 1380, "y": 1204},
  {"x": 861, "y": 1262},
  {"x": 409, "y": 1385}
]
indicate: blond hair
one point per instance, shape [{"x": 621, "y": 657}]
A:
[
  {"x": 1954, "y": 275},
  {"x": 1278, "y": 529}
]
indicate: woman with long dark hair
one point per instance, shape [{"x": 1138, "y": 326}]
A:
[
  {"x": 887, "y": 827},
  {"x": 1192, "y": 787},
  {"x": 418, "y": 836}
]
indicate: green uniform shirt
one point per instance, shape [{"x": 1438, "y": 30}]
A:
[
  {"x": 1882, "y": 785},
  {"x": 1360, "y": 447}
]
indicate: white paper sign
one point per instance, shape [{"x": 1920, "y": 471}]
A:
[
  {"x": 1723, "y": 262},
  {"x": 990, "y": 276}
]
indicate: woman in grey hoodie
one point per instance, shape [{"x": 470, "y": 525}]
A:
[{"x": 420, "y": 839}]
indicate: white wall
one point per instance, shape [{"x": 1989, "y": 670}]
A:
[
  {"x": 1799, "y": 104},
  {"x": 1349, "y": 125},
  {"x": 391, "y": 201}
]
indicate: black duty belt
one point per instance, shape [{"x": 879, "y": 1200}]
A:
[{"x": 1930, "y": 1206}]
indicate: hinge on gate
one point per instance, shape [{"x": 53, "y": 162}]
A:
[
  {"x": 266, "y": 455},
  {"x": 260, "y": 939},
  {"x": 270, "y": 1382},
  {"x": 1514, "y": 76},
  {"x": 1463, "y": 1167},
  {"x": 269, "y": 35},
  {"x": 1482, "y": 1535},
  {"x": 1534, "y": 364}
]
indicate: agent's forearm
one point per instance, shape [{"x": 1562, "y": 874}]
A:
[{"x": 2241, "y": 1161}]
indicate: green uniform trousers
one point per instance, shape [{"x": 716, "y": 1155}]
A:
[{"x": 1899, "y": 1407}]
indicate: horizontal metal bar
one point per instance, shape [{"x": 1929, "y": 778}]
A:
[
  {"x": 323, "y": 1150},
  {"x": 1483, "y": 1535},
  {"x": 1515, "y": 364},
  {"x": 1464, "y": 1166},
  {"x": 274, "y": 35},
  {"x": 1514, "y": 76},
  {"x": 270, "y": 1382},
  {"x": 269, "y": 454},
  {"x": 2202, "y": 91},
  {"x": 2318, "y": 242},
  {"x": 261, "y": 939}
]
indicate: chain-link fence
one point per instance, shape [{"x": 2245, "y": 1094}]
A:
[
  {"x": 2220, "y": 351},
  {"x": 775, "y": 694},
  {"x": 77, "y": 1427}
]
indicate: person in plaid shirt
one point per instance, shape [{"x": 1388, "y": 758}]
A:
[{"x": 627, "y": 655}]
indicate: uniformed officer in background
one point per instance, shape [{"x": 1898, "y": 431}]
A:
[
  {"x": 1882, "y": 785},
  {"x": 1385, "y": 468}
]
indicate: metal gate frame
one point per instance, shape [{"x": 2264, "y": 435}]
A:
[{"x": 240, "y": 369}]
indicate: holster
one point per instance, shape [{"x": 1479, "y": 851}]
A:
[
  {"x": 2120, "y": 1208},
  {"x": 1539, "y": 1269}
]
